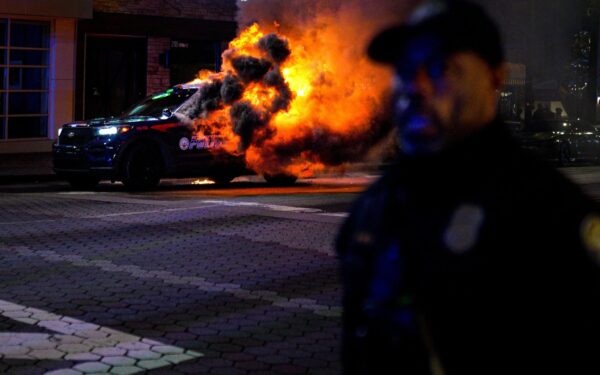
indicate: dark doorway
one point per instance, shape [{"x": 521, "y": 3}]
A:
[{"x": 115, "y": 74}]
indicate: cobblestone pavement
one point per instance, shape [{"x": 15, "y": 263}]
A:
[{"x": 123, "y": 284}]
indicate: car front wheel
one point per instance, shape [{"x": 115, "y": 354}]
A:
[{"x": 142, "y": 168}]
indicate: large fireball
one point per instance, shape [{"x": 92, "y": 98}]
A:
[{"x": 297, "y": 96}]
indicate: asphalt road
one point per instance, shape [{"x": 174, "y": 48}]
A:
[
  {"x": 237, "y": 279},
  {"x": 190, "y": 278}
]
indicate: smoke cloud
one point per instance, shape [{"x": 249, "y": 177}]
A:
[
  {"x": 249, "y": 124},
  {"x": 276, "y": 47},
  {"x": 232, "y": 89},
  {"x": 250, "y": 69},
  {"x": 345, "y": 28},
  {"x": 284, "y": 95},
  {"x": 356, "y": 20},
  {"x": 302, "y": 94},
  {"x": 205, "y": 100}
]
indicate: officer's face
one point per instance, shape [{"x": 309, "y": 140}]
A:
[{"x": 439, "y": 99}]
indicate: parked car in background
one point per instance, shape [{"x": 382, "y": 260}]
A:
[
  {"x": 513, "y": 125},
  {"x": 143, "y": 145},
  {"x": 563, "y": 141}
]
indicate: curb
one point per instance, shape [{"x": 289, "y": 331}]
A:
[{"x": 16, "y": 179}]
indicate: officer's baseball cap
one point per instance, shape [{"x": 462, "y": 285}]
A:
[{"x": 459, "y": 25}]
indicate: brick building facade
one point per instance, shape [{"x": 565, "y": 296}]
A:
[
  {"x": 169, "y": 40},
  {"x": 223, "y": 10},
  {"x": 158, "y": 76}
]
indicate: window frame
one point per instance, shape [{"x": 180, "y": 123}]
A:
[{"x": 6, "y": 66}]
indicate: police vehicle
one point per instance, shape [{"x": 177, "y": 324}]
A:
[{"x": 143, "y": 145}]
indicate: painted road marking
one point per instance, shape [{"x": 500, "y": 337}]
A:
[
  {"x": 200, "y": 283},
  {"x": 278, "y": 209},
  {"x": 209, "y": 204},
  {"x": 336, "y": 214},
  {"x": 95, "y": 347},
  {"x": 273, "y": 207},
  {"x": 113, "y": 215},
  {"x": 147, "y": 212}
]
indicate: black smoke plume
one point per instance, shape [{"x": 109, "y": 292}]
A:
[
  {"x": 211, "y": 96},
  {"x": 205, "y": 100},
  {"x": 250, "y": 69},
  {"x": 232, "y": 89},
  {"x": 248, "y": 124},
  {"x": 319, "y": 145},
  {"x": 346, "y": 26},
  {"x": 276, "y": 48},
  {"x": 284, "y": 95}
]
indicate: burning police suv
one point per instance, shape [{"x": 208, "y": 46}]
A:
[{"x": 146, "y": 143}]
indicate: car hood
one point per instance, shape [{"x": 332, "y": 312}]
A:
[{"x": 112, "y": 121}]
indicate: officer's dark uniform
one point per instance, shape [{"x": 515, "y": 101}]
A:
[{"x": 481, "y": 257}]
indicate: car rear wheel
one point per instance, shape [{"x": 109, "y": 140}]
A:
[
  {"x": 83, "y": 182},
  {"x": 142, "y": 167},
  {"x": 280, "y": 179},
  {"x": 222, "y": 179}
]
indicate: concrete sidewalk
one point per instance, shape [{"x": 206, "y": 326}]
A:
[{"x": 26, "y": 167}]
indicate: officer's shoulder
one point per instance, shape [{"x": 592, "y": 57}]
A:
[
  {"x": 369, "y": 207},
  {"x": 366, "y": 214},
  {"x": 543, "y": 183},
  {"x": 379, "y": 190}
]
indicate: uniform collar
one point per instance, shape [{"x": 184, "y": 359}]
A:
[{"x": 482, "y": 149}]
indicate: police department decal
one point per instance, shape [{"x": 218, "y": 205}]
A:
[
  {"x": 590, "y": 235},
  {"x": 200, "y": 142},
  {"x": 184, "y": 143},
  {"x": 463, "y": 231}
]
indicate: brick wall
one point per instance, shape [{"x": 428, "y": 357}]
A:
[
  {"x": 219, "y": 10},
  {"x": 157, "y": 76}
]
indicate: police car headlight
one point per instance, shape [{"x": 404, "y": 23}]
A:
[
  {"x": 108, "y": 130},
  {"x": 59, "y": 131}
]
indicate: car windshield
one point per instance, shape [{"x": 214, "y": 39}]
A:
[
  {"x": 154, "y": 106},
  {"x": 547, "y": 126}
]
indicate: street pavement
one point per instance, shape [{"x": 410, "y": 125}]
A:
[
  {"x": 178, "y": 281},
  {"x": 187, "y": 279}
]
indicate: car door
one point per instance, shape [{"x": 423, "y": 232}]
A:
[{"x": 190, "y": 152}]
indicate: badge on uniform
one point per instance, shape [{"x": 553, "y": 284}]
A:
[
  {"x": 364, "y": 238},
  {"x": 463, "y": 231},
  {"x": 590, "y": 235}
]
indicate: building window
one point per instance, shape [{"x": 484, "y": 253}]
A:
[{"x": 24, "y": 77}]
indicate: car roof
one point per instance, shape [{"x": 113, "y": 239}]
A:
[{"x": 188, "y": 86}]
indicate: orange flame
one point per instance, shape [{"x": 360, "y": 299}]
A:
[
  {"x": 259, "y": 95},
  {"x": 334, "y": 94}
]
